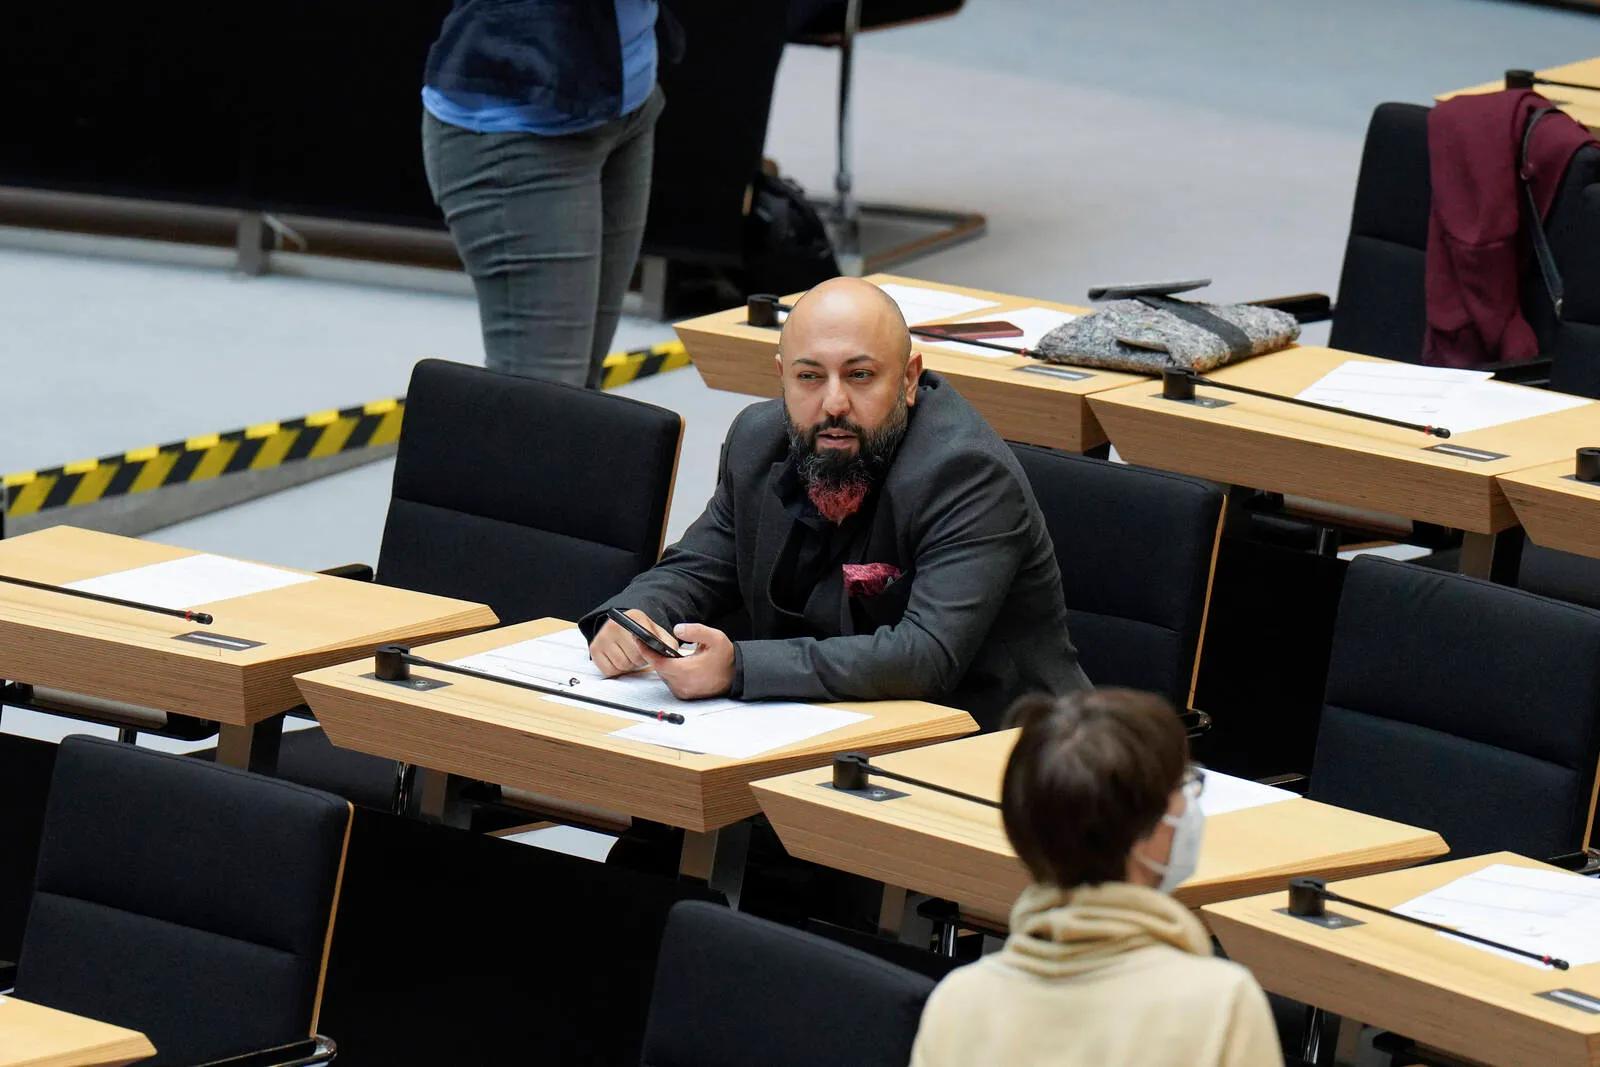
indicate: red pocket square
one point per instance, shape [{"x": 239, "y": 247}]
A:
[{"x": 868, "y": 579}]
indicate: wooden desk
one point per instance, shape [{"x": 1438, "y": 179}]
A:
[
  {"x": 957, "y": 850},
  {"x": 494, "y": 733},
  {"x": 1581, "y": 104},
  {"x": 1021, "y": 404},
  {"x": 1278, "y": 447},
  {"x": 131, "y": 656},
  {"x": 1391, "y": 974},
  {"x": 35, "y": 1036},
  {"x": 1557, "y": 510}
]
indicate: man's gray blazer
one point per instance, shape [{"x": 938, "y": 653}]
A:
[{"x": 975, "y": 620}]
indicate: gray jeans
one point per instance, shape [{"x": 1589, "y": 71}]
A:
[{"x": 549, "y": 229}]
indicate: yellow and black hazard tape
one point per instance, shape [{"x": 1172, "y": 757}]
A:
[
  {"x": 199, "y": 459},
  {"x": 624, "y": 367},
  {"x": 255, "y": 448}
]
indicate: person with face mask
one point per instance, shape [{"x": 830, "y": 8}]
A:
[
  {"x": 877, "y": 535},
  {"x": 1102, "y": 966}
]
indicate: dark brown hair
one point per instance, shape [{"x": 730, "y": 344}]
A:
[{"x": 1091, "y": 774}]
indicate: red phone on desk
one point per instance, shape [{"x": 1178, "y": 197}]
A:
[{"x": 971, "y": 331}]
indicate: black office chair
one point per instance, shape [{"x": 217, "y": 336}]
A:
[
  {"x": 535, "y": 498},
  {"x": 191, "y": 902},
  {"x": 1136, "y": 548},
  {"x": 1382, "y": 309},
  {"x": 733, "y": 990},
  {"x": 1463, "y": 706},
  {"x": 1562, "y": 575}
]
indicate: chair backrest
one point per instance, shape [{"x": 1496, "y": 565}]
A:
[
  {"x": 733, "y": 990},
  {"x": 532, "y": 497},
  {"x": 185, "y": 900},
  {"x": 1561, "y": 575},
  {"x": 1573, "y": 229},
  {"x": 1462, "y": 706},
  {"x": 1381, "y": 308},
  {"x": 1136, "y": 549}
]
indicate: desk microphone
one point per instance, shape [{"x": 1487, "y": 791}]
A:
[
  {"x": 1307, "y": 897},
  {"x": 177, "y": 613},
  {"x": 761, "y": 309},
  {"x": 1177, "y": 383},
  {"x": 850, "y": 770},
  {"x": 1527, "y": 79},
  {"x": 393, "y": 663},
  {"x": 1587, "y": 467}
]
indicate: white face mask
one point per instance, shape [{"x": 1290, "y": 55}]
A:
[{"x": 1184, "y": 856}]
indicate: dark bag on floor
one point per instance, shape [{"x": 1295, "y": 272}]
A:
[{"x": 786, "y": 246}]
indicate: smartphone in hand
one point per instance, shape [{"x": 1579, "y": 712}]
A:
[{"x": 643, "y": 633}]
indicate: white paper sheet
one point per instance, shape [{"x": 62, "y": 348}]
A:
[
  {"x": 920, "y": 305},
  {"x": 562, "y": 660},
  {"x": 1496, "y": 403},
  {"x": 191, "y": 581},
  {"x": 1553, "y": 913},
  {"x": 1457, "y": 399},
  {"x": 1224, "y": 793},
  {"x": 1034, "y": 322},
  {"x": 744, "y": 730}
]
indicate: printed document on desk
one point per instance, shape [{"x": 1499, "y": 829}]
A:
[
  {"x": 1224, "y": 793},
  {"x": 1034, "y": 322},
  {"x": 718, "y": 727},
  {"x": 743, "y": 731},
  {"x": 1554, "y": 913},
  {"x": 190, "y": 580},
  {"x": 920, "y": 305},
  {"x": 1457, "y": 399},
  {"x": 561, "y": 661}
]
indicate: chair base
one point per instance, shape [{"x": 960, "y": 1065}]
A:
[{"x": 885, "y": 235}]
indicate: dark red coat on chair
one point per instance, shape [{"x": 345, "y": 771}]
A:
[{"x": 1476, "y": 248}]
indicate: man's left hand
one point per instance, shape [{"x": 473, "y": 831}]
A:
[{"x": 707, "y": 672}]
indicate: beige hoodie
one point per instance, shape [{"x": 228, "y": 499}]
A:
[{"x": 1099, "y": 976}]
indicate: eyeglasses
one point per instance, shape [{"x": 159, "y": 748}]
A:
[{"x": 1193, "y": 782}]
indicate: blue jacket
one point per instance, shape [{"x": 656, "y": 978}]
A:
[{"x": 560, "y": 54}]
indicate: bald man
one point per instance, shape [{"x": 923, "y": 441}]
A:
[{"x": 880, "y": 538}]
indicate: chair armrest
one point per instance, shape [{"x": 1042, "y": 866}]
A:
[
  {"x": 314, "y": 1050},
  {"x": 1583, "y": 861},
  {"x": 359, "y": 572},
  {"x": 1305, "y": 307},
  {"x": 1524, "y": 372}
]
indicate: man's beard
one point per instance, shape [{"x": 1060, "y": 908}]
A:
[{"x": 836, "y": 480}]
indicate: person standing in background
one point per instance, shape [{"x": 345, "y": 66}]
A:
[{"x": 537, "y": 130}]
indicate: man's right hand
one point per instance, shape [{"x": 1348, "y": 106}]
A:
[{"x": 615, "y": 651}]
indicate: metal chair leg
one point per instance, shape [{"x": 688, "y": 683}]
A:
[
  {"x": 1321, "y": 1038},
  {"x": 405, "y": 776},
  {"x": 127, "y": 735},
  {"x": 847, "y": 214}
]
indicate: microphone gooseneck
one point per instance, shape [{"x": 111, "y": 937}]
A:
[
  {"x": 851, "y": 771},
  {"x": 1307, "y": 897},
  {"x": 393, "y": 663},
  {"x": 1527, "y": 79},
  {"x": 1177, "y": 383},
  {"x": 200, "y": 617}
]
